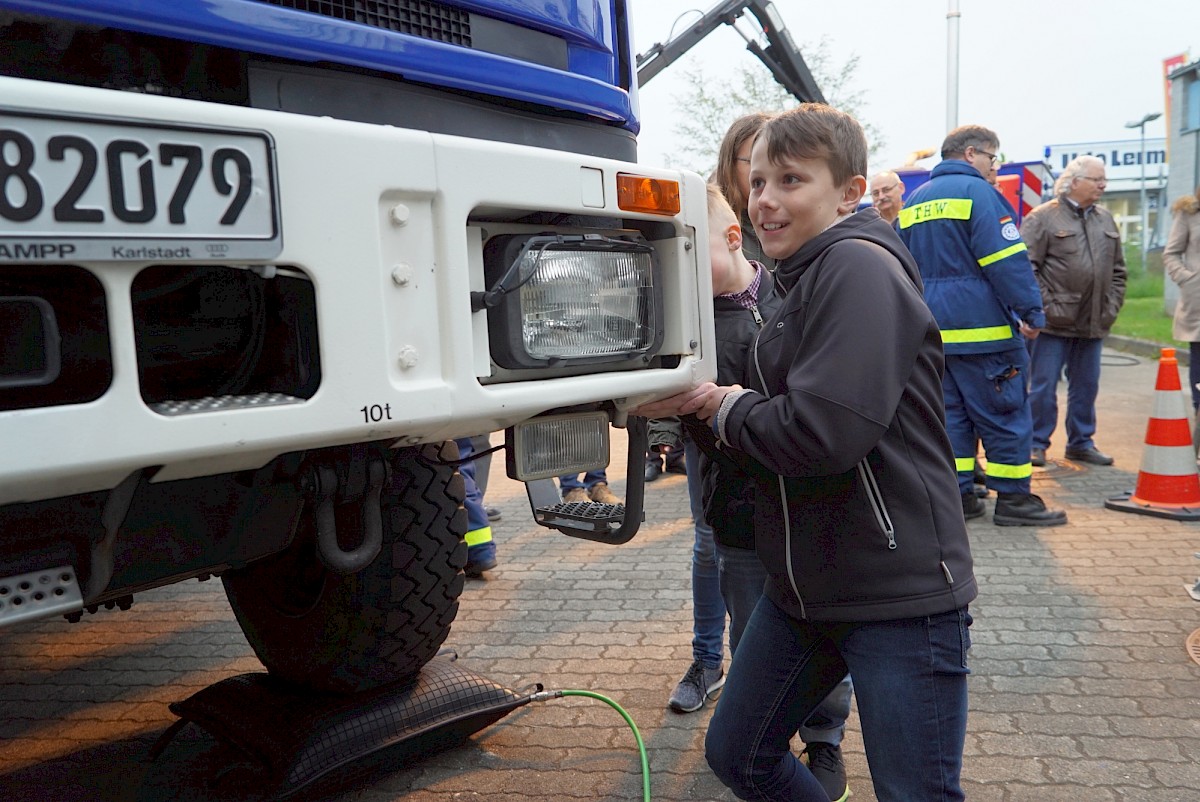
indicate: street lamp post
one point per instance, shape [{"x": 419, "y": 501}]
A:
[
  {"x": 1141, "y": 124},
  {"x": 952, "y": 19}
]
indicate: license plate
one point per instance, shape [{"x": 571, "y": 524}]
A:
[{"x": 101, "y": 189}]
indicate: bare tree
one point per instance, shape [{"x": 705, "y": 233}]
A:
[{"x": 710, "y": 104}]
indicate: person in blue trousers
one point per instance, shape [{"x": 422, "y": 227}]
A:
[
  {"x": 1075, "y": 247},
  {"x": 481, "y": 548},
  {"x": 978, "y": 282}
]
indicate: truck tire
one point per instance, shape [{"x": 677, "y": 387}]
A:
[{"x": 344, "y": 634}]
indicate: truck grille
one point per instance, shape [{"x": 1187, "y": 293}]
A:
[{"x": 423, "y": 18}]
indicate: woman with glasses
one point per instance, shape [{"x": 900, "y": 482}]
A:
[{"x": 732, "y": 177}]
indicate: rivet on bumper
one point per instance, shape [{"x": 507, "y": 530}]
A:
[
  {"x": 407, "y": 358},
  {"x": 399, "y": 214}
]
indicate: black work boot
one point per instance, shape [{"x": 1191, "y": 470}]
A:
[
  {"x": 972, "y": 506},
  {"x": 1025, "y": 509}
]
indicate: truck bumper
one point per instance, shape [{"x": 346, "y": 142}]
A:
[{"x": 388, "y": 226}]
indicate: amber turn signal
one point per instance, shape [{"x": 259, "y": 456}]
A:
[{"x": 637, "y": 193}]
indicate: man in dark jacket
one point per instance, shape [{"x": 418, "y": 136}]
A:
[
  {"x": 980, "y": 287},
  {"x": 1075, "y": 247}
]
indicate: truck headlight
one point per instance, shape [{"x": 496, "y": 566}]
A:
[
  {"x": 554, "y": 445},
  {"x": 567, "y": 300}
]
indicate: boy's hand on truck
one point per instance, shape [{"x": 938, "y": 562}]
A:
[{"x": 702, "y": 401}]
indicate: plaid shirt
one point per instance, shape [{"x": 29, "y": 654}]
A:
[{"x": 748, "y": 298}]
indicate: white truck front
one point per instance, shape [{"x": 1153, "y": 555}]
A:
[{"x": 259, "y": 260}]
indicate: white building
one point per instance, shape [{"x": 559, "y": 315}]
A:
[
  {"x": 1183, "y": 129},
  {"x": 1183, "y": 132}
]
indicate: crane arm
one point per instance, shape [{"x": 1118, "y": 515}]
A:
[{"x": 781, "y": 56}]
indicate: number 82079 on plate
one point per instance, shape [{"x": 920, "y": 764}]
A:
[{"x": 100, "y": 189}]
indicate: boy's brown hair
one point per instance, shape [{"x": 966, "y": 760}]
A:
[{"x": 818, "y": 131}]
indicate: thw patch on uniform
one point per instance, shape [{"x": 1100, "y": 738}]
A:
[{"x": 1008, "y": 229}]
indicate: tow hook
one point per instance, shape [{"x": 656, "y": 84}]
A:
[{"x": 322, "y": 485}]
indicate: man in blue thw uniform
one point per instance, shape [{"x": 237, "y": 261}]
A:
[{"x": 980, "y": 286}]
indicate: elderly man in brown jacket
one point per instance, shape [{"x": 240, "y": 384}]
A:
[{"x": 1075, "y": 248}]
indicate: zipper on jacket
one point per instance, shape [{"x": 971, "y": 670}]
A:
[
  {"x": 787, "y": 518},
  {"x": 758, "y": 318},
  {"x": 875, "y": 497},
  {"x": 787, "y": 547}
]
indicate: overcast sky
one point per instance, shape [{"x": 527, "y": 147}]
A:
[{"x": 1038, "y": 72}]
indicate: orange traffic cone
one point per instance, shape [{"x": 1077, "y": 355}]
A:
[{"x": 1168, "y": 485}]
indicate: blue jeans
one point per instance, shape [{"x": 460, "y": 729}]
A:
[
  {"x": 742, "y": 579},
  {"x": 571, "y": 480},
  {"x": 708, "y": 608},
  {"x": 1081, "y": 356},
  {"x": 910, "y": 677}
]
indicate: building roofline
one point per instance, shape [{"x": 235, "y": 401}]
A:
[{"x": 1179, "y": 72}]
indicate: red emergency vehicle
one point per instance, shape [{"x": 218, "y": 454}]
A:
[{"x": 1023, "y": 184}]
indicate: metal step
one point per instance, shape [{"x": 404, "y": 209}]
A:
[
  {"x": 590, "y": 513},
  {"x": 220, "y": 403},
  {"x": 594, "y": 520},
  {"x": 39, "y": 594}
]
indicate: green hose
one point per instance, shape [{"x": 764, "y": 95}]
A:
[{"x": 637, "y": 735}]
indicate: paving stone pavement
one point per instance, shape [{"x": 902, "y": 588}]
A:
[{"x": 1081, "y": 688}]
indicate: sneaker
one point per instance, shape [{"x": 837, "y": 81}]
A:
[
  {"x": 600, "y": 493},
  {"x": 575, "y": 494},
  {"x": 493, "y": 513},
  {"x": 653, "y": 471},
  {"x": 1025, "y": 509},
  {"x": 972, "y": 506},
  {"x": 826, "y": 764},
  {"x": 697, "y": 685}
]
